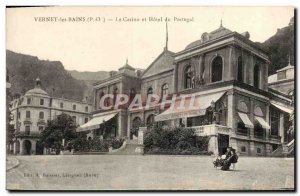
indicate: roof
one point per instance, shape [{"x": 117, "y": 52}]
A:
[
  {"x": 127, "y": 66},
  {"x": 286, "y": 68},
  {"x": 163, "y": 62},
  {"x": 272, "y": 78},
  {"x": 37, "y": 90},
  {"x": 220, "y": 32}
]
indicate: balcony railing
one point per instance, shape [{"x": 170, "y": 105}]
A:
[
  {"x": 212, "y": 129},
  {"x": 27, "y": 121}
]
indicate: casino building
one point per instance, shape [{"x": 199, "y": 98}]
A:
[
  {"x": 32, "y": 111},
  {"x": 226, "y": 73}
]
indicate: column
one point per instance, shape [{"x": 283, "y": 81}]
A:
[
  {"x": 119, "y": 132},
  {"x": 252, "y": 149},
  {"x": 268, "y": 131},
  {"x": 128, "y": 126},
  {"x": 175, "y": 78},
  {"x": 232, "y": 63},
  {"x": 15, "y": 147},
  {"x": 231, "y": 106},
  {"x": 251, "y": 117},
  {"x": 201, "y": 65},
  {"x": 251, "y": 70},
  {"x": 281, "y": 127},
  {"x": 22, "y": 147},
  {"x": 213, "y": 145},
  {"x": 33, "y": 147}
]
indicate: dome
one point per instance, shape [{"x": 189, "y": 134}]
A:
[{"x": 37, "y": 90}]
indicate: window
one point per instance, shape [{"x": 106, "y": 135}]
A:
[
  {"x": 74, "y": 107},
  {"x": 240, "y": 76},
  {"x": 27, "y": 129},
  {"x": 41, "y": 115},
  {"x": 132, "y": 95},
  {"x": 275, "y": 120},
  {"x": 243, "y": 149},
  {"x": 188, "y": 77},
  {"x": 86, "y": 108},
  {"x": 74, "y": 119},
  {"x": 41, "y": 101},
  {"x": 86, "y": 120},
  {"x": 27, "y": 114},
  {"x": 28, "y": 101},
  {"x": 258, "y": 130},
  {"x": 256, "y": 76},
  {"x": 41, "y": 128},
  {"x": 217, "y": 69},
  {"x": 164, "y": 89},
  {"x": 258, "y": 150},
  {"x": 61, "y": 105},
  {"x": 115, "y": 92},
  {"x": 149, "y": 91},
  {"x": 241, "y": 128}
]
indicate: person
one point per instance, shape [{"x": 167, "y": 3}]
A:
[{"x": 225, "y": 161}]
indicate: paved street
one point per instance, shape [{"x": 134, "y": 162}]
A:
[{"x": 115, "y": 172}]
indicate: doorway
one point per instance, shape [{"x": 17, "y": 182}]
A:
[
  {"x": 27, "y": 145},
  {"x": 223, "y": 143}
]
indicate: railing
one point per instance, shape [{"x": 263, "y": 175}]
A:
[
  {"x": 27, "y": 121},
  {"x": 212, "y": 129}
]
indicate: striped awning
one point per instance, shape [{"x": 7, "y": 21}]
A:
[{"x": 96, "y": 122}]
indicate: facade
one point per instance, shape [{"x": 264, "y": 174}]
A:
[
  {"x": 34, "y": 109},
  {"x": 226, "y": 74}
]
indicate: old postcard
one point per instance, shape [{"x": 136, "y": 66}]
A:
[{"x": 150, "y": 98}]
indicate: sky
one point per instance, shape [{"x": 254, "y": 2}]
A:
[{"x": 88, "y": 43}]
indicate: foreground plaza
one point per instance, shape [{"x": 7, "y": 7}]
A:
[{"x": 148, "y": 172}]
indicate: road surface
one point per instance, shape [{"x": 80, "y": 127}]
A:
[{"x": 149, "y": 172}]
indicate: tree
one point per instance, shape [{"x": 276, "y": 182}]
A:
[{"x": 62, "y": 127}]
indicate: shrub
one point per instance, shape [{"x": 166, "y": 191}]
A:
[
  {"x": 174, "y": 140},
  {"x": 117, "y": 143}
]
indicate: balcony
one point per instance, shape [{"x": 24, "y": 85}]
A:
[
  {"x": 27, "y": 121},
  {"x": 212, "y": 129},
  {"x": 41, "y": 122}
]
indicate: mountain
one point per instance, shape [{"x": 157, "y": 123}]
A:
[
  {"x": 89, "y": 76},
  {"x": 24, "y": 69},
  {"x": 280, "y": 46}
]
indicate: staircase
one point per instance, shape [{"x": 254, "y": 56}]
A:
[
  {"x": 278, "y": 152},
  {"x": 132, "y": 148},
  {"x": 286, "y": 150},
  {"x": 290, "y": 148}
]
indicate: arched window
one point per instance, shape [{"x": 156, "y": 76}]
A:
[
  {"x": 41, "y": 115},
  {"x": 115, "y": 94},
  {"x": 150, "y": 120},
  {"x": 164, "y": 89},
  {"x": 217, "y": 69},
  {"x": 256, "y": 76},
  {"x": 132, "y": 94},
  {"x": 188, "y": 77},
  {"x": 149, "y": 91},
  {"x": 137, "y": 122},
  {"x": 240, "y": 76}
]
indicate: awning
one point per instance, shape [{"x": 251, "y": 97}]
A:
[
  {"x": 282, "y": 108},
  {"x": 246, "y": 120},
  {"x": 182, "y": 107},
  {"x": 95, "y": 122},
  {"x": 262, "y": 122}
]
